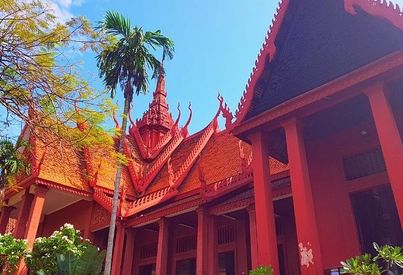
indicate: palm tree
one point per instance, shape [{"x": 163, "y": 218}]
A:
[
  {"x": 11, "y": 163},
  {"x": 126, "y": 63}
]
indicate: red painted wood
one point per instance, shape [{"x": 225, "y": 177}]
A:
[
  {"x": 23, "y": 215},
  {"x": 212, "y": 246},
  {"x": 241, "y": 248},
  {"x": 129, "y": 251},
  {"x": 118, "y": 249},
  {"x": 162, "y": 249},
  {"x": 391, "y": 142},
  {"x": 35, "y": 213},
  {"x": 202, "y": 244},
  {"x": 265, "y": 225},
  {"x": 304, "y": 211},
  {"x": 4, "y": 217},
  {"x": 253, "y": 237}
]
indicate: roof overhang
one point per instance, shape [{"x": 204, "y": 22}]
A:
[{"x": 386, "y": 67}]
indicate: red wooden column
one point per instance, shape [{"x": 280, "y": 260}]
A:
[
  {"x": 252, "y": 232},
  {"x": 390, "y": 140},
  {"x": 35, "y": 214},
  {"x": 118, "y": 249},
  {"x": 212, "y": 246},
  {"x": 241, "y": 248},
  {"x": 305, "y": 220},
  {"x": 23, "y": 215},
  {"x": 129, "y": 251},
  {"x": 203, "y": 221},
  {"x": 162, "y": 249},
  {"x": 34, "y": 218},
  {"x": 265, "y": 225},
  {"x": 4, "y": 218}
]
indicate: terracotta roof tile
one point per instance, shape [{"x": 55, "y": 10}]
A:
[{"x": 62, "y": 164}]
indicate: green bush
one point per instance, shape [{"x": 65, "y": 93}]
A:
[
  {"x": 43, "y": 259},
  {"x": 89, "y": 263},
  {"x": 261, "y": 270},
  {"x": 11, "y": 252},
  {"x": 387, "y": 258}
]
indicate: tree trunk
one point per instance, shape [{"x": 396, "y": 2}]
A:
[{"x": 115, "y": 201}]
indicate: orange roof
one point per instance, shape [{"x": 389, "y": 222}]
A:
[
  {"x": 62, "y": 163},
  {"x": 177, "y": 169}
]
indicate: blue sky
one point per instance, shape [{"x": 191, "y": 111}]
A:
[{"x": 217, "y": 42}]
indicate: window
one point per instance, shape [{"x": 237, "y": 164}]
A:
[{"x": 364, "y": 164}]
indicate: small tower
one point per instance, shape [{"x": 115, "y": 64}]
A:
[{"x": 157, "y": 120}]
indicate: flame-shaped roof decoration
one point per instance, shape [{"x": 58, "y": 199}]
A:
[
  {"x": 267, "y": 51},
  {"x": 380, "y": 8}
]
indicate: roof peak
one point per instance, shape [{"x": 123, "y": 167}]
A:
[{"x": 158, "y": 111}]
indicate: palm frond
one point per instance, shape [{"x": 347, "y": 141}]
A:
[{"x": 115, "y": 24}]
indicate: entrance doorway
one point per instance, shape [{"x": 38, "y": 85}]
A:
[
  {"x": 226, "y": 263},
  {"x": 376, "y": 218}
]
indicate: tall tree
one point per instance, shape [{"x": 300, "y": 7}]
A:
[
  {"x": 37, "y": 71},
  {"x": 125, "y": 64}
]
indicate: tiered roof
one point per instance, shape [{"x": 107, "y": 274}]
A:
[
  {"x": 165, "y": 162},
  {"x": 310, "y": 42}
]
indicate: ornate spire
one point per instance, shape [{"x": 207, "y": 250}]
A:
[
  {"x": 158, "y": 112},
  {"x": 157, "y": 120}
]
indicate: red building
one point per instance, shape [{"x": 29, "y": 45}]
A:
[{"x": 322, "y": 117}]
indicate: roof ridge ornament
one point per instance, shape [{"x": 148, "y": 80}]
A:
[
  {"x": 226, "y": 112},
  {"x": 185, "y": 131},
  {"x": 380, "y": 8}
]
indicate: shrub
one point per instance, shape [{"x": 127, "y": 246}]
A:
[
  {"x": 44, "y": 256},
  {"x": 261, "y": 270},
  {"x": 11, "y": 252},
  {"x": 388, "y": 258}
]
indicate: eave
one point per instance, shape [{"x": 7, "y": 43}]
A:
[{"x": 383, "y": 67}]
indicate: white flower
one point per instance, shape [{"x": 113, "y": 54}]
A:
[{"x": 68, "y": 225}]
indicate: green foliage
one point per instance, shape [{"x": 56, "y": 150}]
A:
[
  {"x": 129, "y": 55},
  {"x": 11, "y": 163},
  {"x": 39, "y": 84},
  {"x": 45, "y": 253},
  {"x": 11, "y": 252},
  {"x": 386, "y": 259},
  {"x": 262, "y": 270},
  {"x": 88, "y": 263}
]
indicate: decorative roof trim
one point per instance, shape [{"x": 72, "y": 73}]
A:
[
  {"x": 102, "y": 199},
  {"x": 62, "y": 187},
  {"x": 365, "y": 73},
  {"x": 227, "y": 185},
  {"x": 379, "y": 8},
  {"x": 267, "y": 51},
  {"x": 160, "y": 162},
  {"x": 148, "y": 201}
]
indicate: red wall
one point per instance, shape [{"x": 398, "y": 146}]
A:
[
  {"x": 336, "y": 223},
  {"x": 77, "y": 214}
]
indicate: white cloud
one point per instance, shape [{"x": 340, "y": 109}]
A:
[{"x": 62, "y": 8}]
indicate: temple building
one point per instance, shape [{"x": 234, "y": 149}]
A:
[{"x": 306, "y": 173}]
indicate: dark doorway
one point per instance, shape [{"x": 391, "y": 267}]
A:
[
  {"x": 147, "y": 269},
  {"x": 226, "y": 263},
  {"x": 376, "y": 218},
  {"x": 186, "y": 267}
]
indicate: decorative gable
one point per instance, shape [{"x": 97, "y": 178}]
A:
[{"x": 317, "y": 42}]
